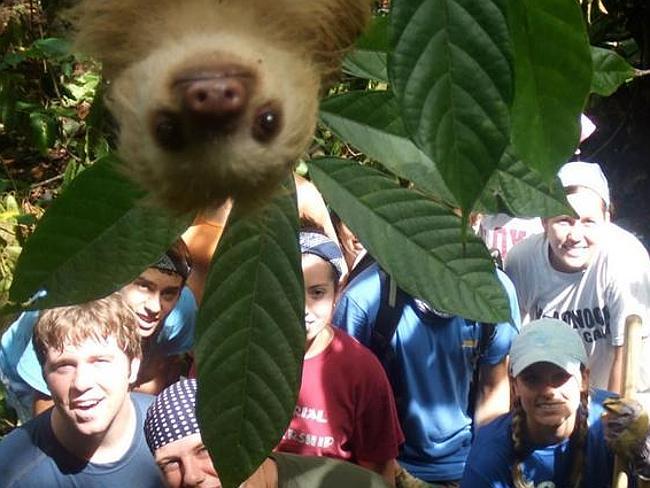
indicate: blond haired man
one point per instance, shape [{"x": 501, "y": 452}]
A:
[
  {"x": 90, "y": 355},
  {"x": 165, "y": 310}
]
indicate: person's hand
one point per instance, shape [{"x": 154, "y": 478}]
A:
[{"x": 626, "y": 427}]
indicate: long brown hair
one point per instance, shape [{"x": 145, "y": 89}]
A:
[{"x": 577, "y": 443}]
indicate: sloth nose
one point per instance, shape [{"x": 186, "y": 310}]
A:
[
  {"x": 215, "y": 97},
  {"x": 212, "y": 105}
]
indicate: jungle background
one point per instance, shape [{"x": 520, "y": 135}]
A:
[{"x": 53, "y": 127}]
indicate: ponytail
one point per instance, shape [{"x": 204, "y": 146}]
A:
[
  {"x": 519, "y": 445},
  {"x": 578, "y": 441}
]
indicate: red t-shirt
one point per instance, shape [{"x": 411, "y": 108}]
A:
[{"x": 345, "y": 407}]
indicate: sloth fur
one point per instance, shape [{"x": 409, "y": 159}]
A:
[{"x": 215, "y": 98}]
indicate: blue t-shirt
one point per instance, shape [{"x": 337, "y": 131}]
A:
[
  {"x": 31, "y": 456},
  {"x": 435, "y": 357},
  {"x": 490, "y": 460},
  {"x": 21, "y": 372}
]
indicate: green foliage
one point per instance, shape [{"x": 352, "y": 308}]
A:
[
  {"x": 369, "y": 58},
  {"x": 516, "y": 189},
  {"x": 9, "y": 214},
  {"x": 370, "y": 121},
  {"x": 99, "y": 227},
  {"x": 401, "y": 227},
  {"x": 43, "y": 131},
  {"x": 47, "y": 135},
  {"x": 250, "y": 332},
  {"x": 610, "y": 71},
  {"x": 453, "y": 88},
  {"x": 16, "y": 223},
  {"x": 9, "y": 246},
  {"x": 45, "y": 94},
  {"x": 50, "y": 49},
  {"x": 552, "y": 79},
  {"x": 469, "y": 105},
  {"x": 8, "y": 419}
]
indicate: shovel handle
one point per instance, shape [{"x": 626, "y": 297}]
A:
[{"x": 631, "y": 357}]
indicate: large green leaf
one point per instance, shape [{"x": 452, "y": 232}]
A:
[
  {"x": 95, "y": 238},
  {"x": 250, "y": 338},
  {"x": 368, "y": 60},
  {"x": 376, "y": 37},
  {"x": 451, "y": 72},
  {"x": 610, "y": 71},
  {"x": 521, "y": 191},
  {"x": 415, "y": 240},
  {"x": 366, "y": 64},
  {"x": 552, "y": 79},
  {"x": 371, "y": 122}
]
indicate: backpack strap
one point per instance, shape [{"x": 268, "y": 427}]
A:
[
  {"x": 391, "y": 305},
  {"x": 363, "y": 263}
]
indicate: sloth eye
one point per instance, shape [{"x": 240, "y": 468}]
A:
[
  {"x": 168, "y": 132},
  {"x": 266, "y": 124}
]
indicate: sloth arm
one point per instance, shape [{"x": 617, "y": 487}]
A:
[{"x": 202, "y": 238}]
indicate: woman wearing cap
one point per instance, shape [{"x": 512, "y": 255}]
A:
[
  {"x": 587, "y": 272},
  {"x": 345, "y": 406},
  {"x": 555, "y": 435}
]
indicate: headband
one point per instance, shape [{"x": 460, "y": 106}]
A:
[
  {"x": 172, "y": 263},
  {"x": 322, "y": 246},
  {"x": 172, "y": 416}
]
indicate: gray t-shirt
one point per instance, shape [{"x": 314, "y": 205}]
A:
[
  {"x": 31, "y": 456},
  {"x": 595, "y": 301}
]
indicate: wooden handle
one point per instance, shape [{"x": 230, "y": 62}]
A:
[{"x": 631, "y": 357}]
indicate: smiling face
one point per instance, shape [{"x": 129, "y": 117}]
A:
[
  {"x": 550, "y": 396},
  {"x": 186, "y": 463},
  {"x": 320, "y": 292},
  {"x": 151, "y": 296},
  {"x": 573, "y": 242},
  {"x": 89, "y": 383}
]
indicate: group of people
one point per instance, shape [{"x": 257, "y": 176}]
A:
[{"x": 393, "y": 392}]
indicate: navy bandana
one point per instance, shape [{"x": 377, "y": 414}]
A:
[
  {"x": 322, "y": 246},
  {"x": 171, "y": 416},
  {"x": 170, "y": 263}
]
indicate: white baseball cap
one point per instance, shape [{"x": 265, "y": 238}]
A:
[
  {"x": 550, "y": 341},
  {"x": 589, "y": 175}
]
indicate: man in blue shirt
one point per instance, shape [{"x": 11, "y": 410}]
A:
[
  {"x": 556, "y": 434},
  {"x": 433, "y": 359},
  {"x": 93, "y": 436},
  {"x": 165, "y": 311}
]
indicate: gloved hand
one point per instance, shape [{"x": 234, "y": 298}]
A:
[
  {"x": 404, "y": 479},
  {"x": 626, "y": 431}
]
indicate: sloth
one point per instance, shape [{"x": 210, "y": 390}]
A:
[{"x": 215, "y": 98}]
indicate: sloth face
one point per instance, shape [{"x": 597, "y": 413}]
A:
[{"x": 211, "y": 116}]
